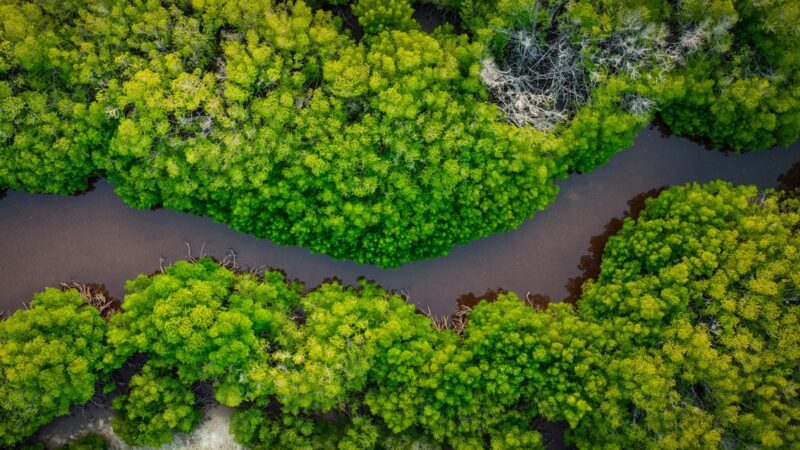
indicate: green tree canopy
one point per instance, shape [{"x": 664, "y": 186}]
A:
[
  {"x": 51, "y": 357},
  {"x": 271, "y": 117},
  {"x": 700, "y": 295}
]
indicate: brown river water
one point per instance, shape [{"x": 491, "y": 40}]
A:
[{"x": 95, "y": 237}]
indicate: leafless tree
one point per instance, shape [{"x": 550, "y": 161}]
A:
[
  {"x": 549, "y": 68},
  {"x": 96, "y": 296}
]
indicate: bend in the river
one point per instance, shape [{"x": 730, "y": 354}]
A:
[{"x": 47, "y": 239}]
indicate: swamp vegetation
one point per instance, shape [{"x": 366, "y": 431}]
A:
[
  {"x": 686, "y": 339},
  {"x": 394, "y": 146},
  {"x": 271, "y": 117}
]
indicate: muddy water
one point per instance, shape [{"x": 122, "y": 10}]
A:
[{"x": 47, "y": 239}]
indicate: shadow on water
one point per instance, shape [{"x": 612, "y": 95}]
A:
[
  {"x": 91, "y": 185},
  {"x": 589, "y": 264},
  {"x": 703, "y": 141},
  {"x": 789, "y": 182},
  {"x": 471, "y": 300},
  {"x": 47, "y": 239}
]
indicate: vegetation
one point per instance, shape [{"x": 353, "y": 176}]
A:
[
  {"x": 51, "y": 356},
  {"x": 685, "y": 340},
  {"x": 700, "y": 294},
  {"x": 88, "y": 442},
  {"x": 156, "y": 405},
  {"x": 271, "y": 117},
  {"x": 745, "y": 98}
]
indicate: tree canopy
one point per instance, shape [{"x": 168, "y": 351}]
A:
[
  {"x": 686, "y": 339},
  {"x": 270, "y": 116},
  {"x": 700, "y": 295},
  {"x": 51, "y": 356}
]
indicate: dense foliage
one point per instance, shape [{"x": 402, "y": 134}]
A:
[
  {"x": 271, "y": 117},
  {"x": 687, "y": 339},
  {"x": 156, "y": 405},
  {"x": 701, "y": 296},
  {"x": 749, "y": 97},
  {"x": 51, "y": 356},
  {"x": 88, "y": 442}
]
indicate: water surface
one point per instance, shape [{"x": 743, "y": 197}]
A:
[{"x": 95, "y": 237}]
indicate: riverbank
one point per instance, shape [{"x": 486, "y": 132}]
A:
[{"x": 48, "y": 239}]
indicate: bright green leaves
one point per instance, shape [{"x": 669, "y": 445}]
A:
[
  {"x": 197, "y": 322},
  {"x": 700, "y": 295},
  {"x": 156, "y": 406},
  {"x": 338, "y": 346},
  {"x": 51, "y": 357},
  {"x": 347, "y": 76},
  {"x": 271, "y": 118},
  {"x": 687, "y": 339},
  {"x": 258, "y": 430},
  {"x": 46, "y": 140},
  {"x": 205, "y": 324},
  {"x": 384, "y": 15},
  {"x": 751, "y": 91},
  {"x": 547, "y": 359},
  {"x": 189, "y": 91}
]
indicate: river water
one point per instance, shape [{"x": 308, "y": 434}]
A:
[{"x": 95, "y": 237}]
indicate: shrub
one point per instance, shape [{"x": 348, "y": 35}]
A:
[{"x": 51, "y": 357}]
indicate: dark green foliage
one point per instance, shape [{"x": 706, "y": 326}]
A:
[
  {"x": 34, "y": 446},
  {"x": 256, "y": 430},
  {"x": 273, "y": 119},
  {"x": 747, "y": 98},
  {"x": 88, "y": 442},
  {"x": 50, "y": 358}
]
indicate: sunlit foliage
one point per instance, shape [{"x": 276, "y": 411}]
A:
[
  {"x": 273, "y": 118},
  {"x": 156, "y": 405},
  {"x": 749, "y": 97},
  {"x": 687, "y": 339},
  {"x": 701, "y": 296},
  {"x": 51, "y": 356}
]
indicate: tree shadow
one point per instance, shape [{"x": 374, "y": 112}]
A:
[
  {"x": 589, "y": 264},
  {"x": 659, "y": 124},
  {"x": 430, "y": 17},
  {"x": 789, "y": 182},
  {"x": 91, "y": 185},
  {"x": 349, "y": 20},
  {"x": 470, "y": 300}
]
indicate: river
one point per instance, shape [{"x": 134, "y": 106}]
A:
[{"x": 95, "y": 237}]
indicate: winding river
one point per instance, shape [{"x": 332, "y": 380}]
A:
[{"x": 95, "y": 237}]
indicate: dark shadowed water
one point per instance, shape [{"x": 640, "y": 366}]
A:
[{"x": 48, "y": 239}]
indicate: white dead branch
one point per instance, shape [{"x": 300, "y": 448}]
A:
[{"x": 548, "y": 69}]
